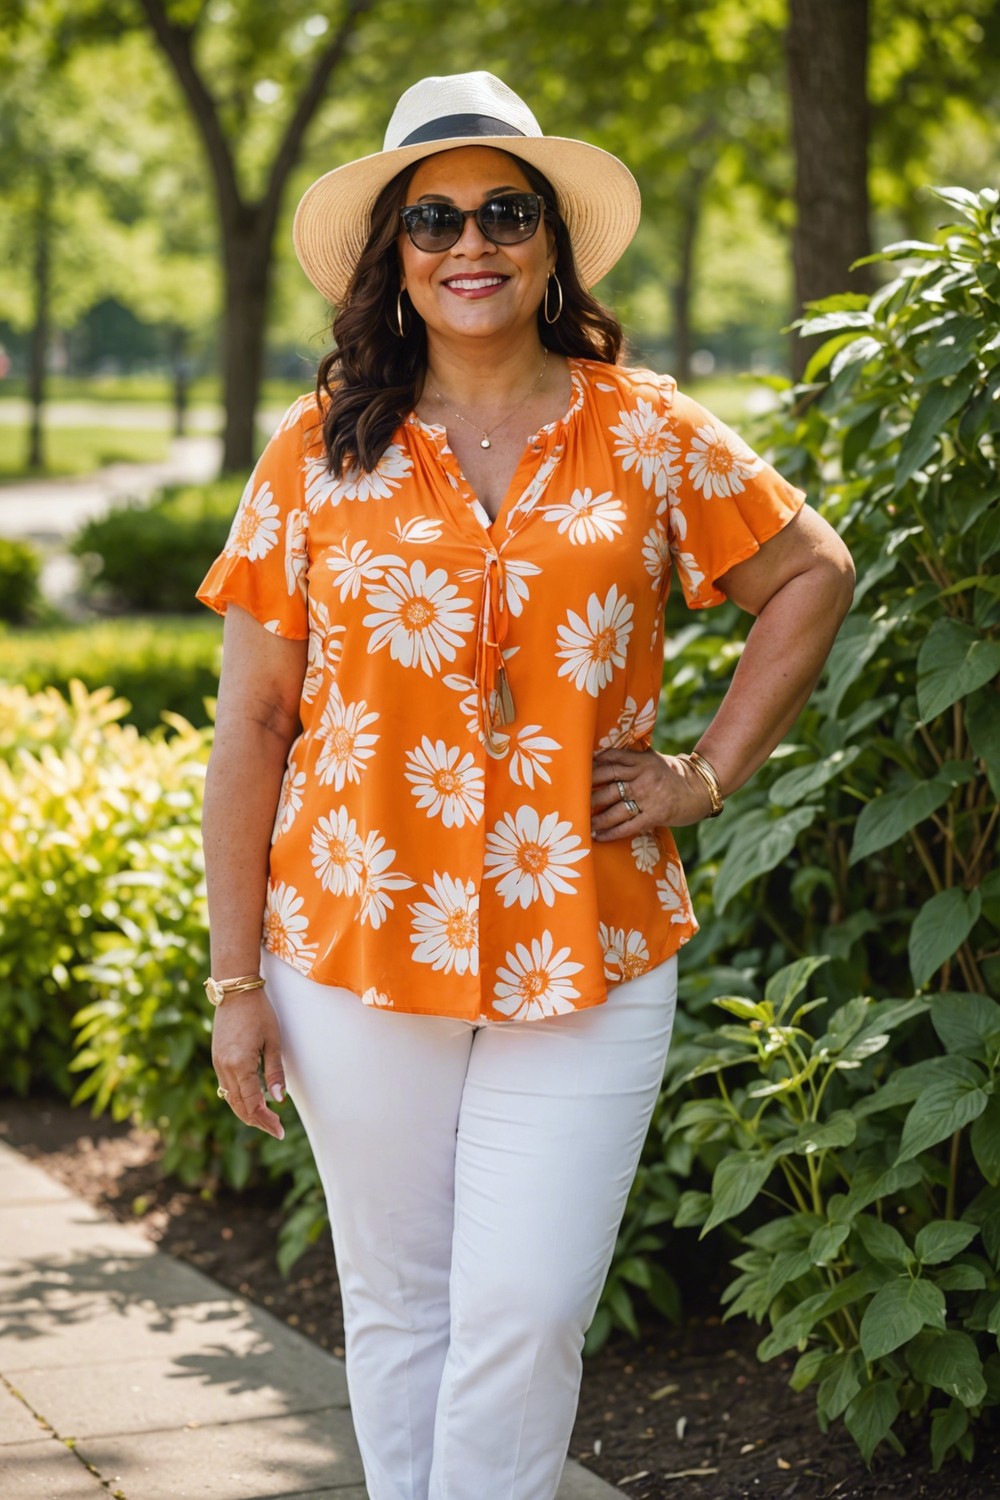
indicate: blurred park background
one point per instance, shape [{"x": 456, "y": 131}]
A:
[{"x": 154, "y": 324}]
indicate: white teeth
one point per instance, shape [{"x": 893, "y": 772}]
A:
[{"x": 473, "y": 283}]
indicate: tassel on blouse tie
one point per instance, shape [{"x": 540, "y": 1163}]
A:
[{"x": 496, "y": 702}]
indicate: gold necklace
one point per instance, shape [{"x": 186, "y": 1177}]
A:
[{"x": 484, "y": 441}]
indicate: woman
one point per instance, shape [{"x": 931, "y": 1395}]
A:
[{"x": 442, "y": 667}]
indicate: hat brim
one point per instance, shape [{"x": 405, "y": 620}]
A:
[{"x": 598, "y": 200}]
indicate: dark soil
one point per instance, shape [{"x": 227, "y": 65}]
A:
[{"x": 686, "y": 1413}]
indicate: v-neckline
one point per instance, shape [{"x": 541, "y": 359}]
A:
[{"x": 537, "y": 451}]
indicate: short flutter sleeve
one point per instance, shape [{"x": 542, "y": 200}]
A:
[
  {"x": 724, "y": 501},
  {"x": 263, "y": 565}
]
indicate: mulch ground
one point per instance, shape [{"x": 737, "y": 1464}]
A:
[{"x": 682, "y": 1414}]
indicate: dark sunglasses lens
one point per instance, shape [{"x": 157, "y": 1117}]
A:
[
  {"x": 511, "y": 218},
  {"x": 434, "y": 226}
]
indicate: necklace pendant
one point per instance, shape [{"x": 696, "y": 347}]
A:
[{"x": 485, "y": 443}]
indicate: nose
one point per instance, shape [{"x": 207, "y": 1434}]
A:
[{"x": 472, "y": 242}]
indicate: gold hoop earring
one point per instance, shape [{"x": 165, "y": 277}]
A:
[
  {"x": 399, "y": 329},
  {"x": 545, "y": 304}
]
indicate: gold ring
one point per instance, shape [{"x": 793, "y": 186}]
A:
[
  {"x": 222, "y": 1093},
  {"x": 632, "y": 807}
]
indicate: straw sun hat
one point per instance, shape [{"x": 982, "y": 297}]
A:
[{"x": 598, "y": 196}]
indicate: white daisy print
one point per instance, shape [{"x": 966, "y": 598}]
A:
[
  {"x": 645, "y": 851},
  {"x": 296, "y": 552},
  {"x": 592, "y": 648},
  {"x": 344, "y": 744},
  {"x": 325, "y": 648},
  {"x": 586, "y": 517},
  {"x": 336, "y": 853},
  {"x": 690, "y": 571},
  {"x": 417, "y": 615},
  {"x": 535, "y": 981},
  {"x": 446, "y": 783},
  {"x": 673, "y": 894},
  {"x": 646, "y": 443},
  {"x": 376, "y": 998},
  {"x": 626, "y": 955},
  {"x": 633, "y": 723},
  {"x": 719, "y": 461},
  {"x": 446, "y": 928},
  {"x": 532, "y": 858},
  {"x": 418, "y": 529},
  {"x": 322, "y": 488},
  {"x": 656, "y": 555},
  {"x": 357, "y": 567},
  {"x": 293, "y": 785},
  {"x": 294, "y": 412},
  {"x": 531, "y": 755},
  {"x": 285, "y": 929},
  {"x": 256, "y": 524},
  {"x": 377, "y": 880}
]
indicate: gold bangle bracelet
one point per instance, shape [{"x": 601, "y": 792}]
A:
[{"x": 707, "y": 775}]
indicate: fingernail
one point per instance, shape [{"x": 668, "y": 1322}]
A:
[
  {"x": 277, "y": 1093},
  {"x": 281, "y": 1133}
]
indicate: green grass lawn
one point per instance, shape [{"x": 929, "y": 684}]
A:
[
  {"x": 152, "y": 389},
  {"x": 79, "y": 450}
]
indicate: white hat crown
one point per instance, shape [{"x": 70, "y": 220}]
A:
[{"x": 460, "y": 104}]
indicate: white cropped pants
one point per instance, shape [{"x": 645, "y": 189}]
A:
[{"x": 476, "y": 1176}]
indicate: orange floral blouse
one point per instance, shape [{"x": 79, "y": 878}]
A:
[{"x": 431, "y": 848}]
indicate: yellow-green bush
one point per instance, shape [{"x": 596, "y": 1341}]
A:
[{"x": 84, "y": 800}]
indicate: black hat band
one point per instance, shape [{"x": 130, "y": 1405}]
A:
[{"x": 452, "y": 127}]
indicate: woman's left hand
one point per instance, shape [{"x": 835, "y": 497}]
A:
[{"x": 668, "y": 793}]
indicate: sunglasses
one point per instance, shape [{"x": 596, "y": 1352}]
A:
[{"x": 505, "y": 220}]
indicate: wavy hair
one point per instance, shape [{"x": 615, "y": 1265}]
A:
[{"x": 368, "y": 384}]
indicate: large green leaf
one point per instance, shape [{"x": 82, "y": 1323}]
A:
[
  {"x": 943, "y": 1239},
  {"x": 964, "y": 1021},
  {"x": 943, "y": 1107},
  {"x": 758, "y": 845},
  {"x": 841, "y": 1384},
  {"x": 948, "y": 1425},
  {"x": 952, "y": 348},
  {"x": 788, "y": 983},
  {"x": 923, "y": 434},
  {"x": 735, "y": 1184},
  {"x": 952, "y": 663},
  {"x": 885, "y": 819},
  {"x": 939, "y": 929},
  {"x": 871, "y": 1414},
  {"x": 883, "y": 1243},
  {"x": 898, "y": 1312},
  {"x": 950, "y": 1362},
  {"x": 796, "y": 785}
]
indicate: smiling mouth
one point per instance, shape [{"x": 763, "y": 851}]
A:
[{"x": 474, "y": 283}]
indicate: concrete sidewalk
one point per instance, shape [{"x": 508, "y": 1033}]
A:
[{"x": 126, "y": 1373}]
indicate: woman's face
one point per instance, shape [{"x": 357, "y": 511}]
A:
[{"x": 476, "y": 289}]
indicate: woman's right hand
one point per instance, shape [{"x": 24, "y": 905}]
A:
[{"x": 244, "y": 1030}]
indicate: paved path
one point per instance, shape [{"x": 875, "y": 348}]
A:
[{"x": 125, "y": 1373}]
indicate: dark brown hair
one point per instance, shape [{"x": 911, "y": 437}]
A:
[{"x": 368, "y": 382}]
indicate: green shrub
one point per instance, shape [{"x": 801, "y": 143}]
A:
[
  {"x": 168, "y": 664},
  {"x": 878, "y": 1255},
  {"x": 83, "y": 801},
  {"x": 20, "y": 569},
  {"x": 153, "y": 557},
  {"x": 870, "y": 837}
]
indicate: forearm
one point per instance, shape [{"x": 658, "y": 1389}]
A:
[
  {"x": 241, "y": 796},
  {"x": 780, "y": 665}
]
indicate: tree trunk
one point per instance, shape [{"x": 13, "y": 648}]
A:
[
  {"x": 827, "y": 46},
  {"x": 247, "y": 284},
  {"x": 39, "y": 343},
  {"x": 181, "y": 368}
]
